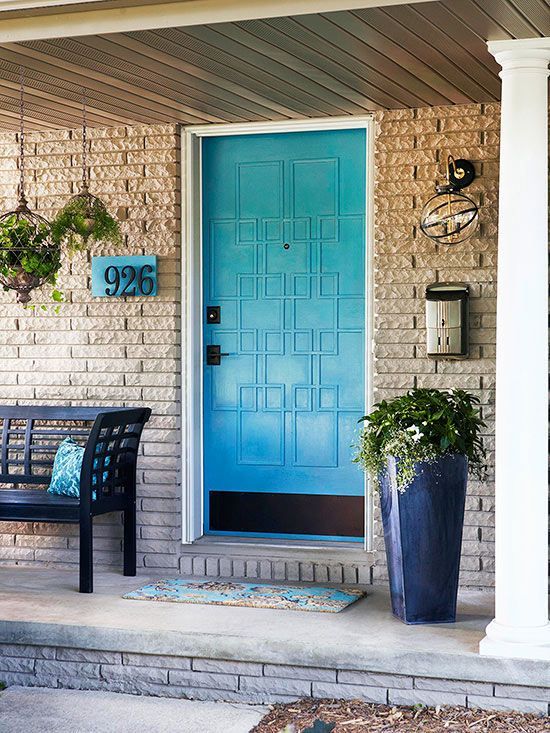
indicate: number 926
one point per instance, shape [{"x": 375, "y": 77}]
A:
[{"x": 129, "y": 280}]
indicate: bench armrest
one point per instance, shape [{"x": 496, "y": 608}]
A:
[{"x": 110, "y": 456}]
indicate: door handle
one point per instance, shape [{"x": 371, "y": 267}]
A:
[{"x": 214, "y": 355}]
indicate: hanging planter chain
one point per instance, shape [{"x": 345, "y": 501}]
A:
[
  {"x": 22, "y": 198},
  {"x": 84, "y": 144},
  {"x": 30, "y": 246},
  {"x": 28, "y": 256},
  {"x": 85, "y": 216}
]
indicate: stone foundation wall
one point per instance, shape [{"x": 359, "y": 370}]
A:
[{"x": 254, "y": 682}]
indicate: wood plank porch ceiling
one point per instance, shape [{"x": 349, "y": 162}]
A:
[{"x": 343, "y": 63}]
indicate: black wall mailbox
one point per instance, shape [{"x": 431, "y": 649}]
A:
[{"x": 447, "y": 315}]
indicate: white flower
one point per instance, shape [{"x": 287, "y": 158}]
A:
[{"x": 416, "y": 432}]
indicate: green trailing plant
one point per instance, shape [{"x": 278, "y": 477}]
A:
[
  {"x": 85, "y": 218},
  {"x": 28, "y": 257},
  {"x": 420, "y": 426}
]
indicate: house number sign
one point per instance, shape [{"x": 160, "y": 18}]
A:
[{"x": 113, "y": 277}]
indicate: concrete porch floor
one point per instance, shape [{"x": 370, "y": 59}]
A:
[
  {"x": 43, "y": 605},
  {"x": 42, "y": 608}
]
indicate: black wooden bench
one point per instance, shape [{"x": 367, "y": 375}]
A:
[{"x": 29, "y": 439}]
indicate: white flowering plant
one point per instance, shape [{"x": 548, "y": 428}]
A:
[{"x": 419, "y": 427}]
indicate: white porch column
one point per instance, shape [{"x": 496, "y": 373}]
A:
[{"x": 521, "y": 627}]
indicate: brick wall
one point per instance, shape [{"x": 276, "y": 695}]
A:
[
  {"x": 410, "y": 146},
  {"x": 120, "y": 352},
  {"x": 126, "y": 352}
]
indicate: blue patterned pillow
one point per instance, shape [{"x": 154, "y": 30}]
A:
[{"x": 66, "y": 469}]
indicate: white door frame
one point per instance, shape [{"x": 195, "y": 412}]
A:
[{"x": 192, "y": 300}]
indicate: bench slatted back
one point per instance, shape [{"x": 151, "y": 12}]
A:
[
  {"x": 30, "y": 436},
  {"x": 108, "y": 468}
]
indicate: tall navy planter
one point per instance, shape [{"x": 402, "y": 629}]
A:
[{"x": 423, "y": 534}]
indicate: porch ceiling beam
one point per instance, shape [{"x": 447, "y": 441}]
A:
[
  {"x": 161, "y": 15},
  {"x": 519, "y": 44},
  {"x": 358, "y": 58},
  {"x": 283, "y": 40},
  {"x": 6, "y": 5}
]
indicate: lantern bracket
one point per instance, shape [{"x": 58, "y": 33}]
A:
[{"x": 459, "y": 173}]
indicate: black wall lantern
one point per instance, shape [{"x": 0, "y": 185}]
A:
[{"x": 450, "y": 217}]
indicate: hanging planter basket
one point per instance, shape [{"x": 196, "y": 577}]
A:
[
  {"x": 28, "y": 256},
  {"x": 83, "y": 218}
]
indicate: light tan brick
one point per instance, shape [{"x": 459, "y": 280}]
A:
[
  {"x": 405, "y": 261},
  {"x": 114, "y": 352}
]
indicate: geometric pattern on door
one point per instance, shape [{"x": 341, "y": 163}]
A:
[{"x": 287, "y": 269}]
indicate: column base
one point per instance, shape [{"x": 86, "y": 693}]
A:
[{"x": 516, "y": 643}]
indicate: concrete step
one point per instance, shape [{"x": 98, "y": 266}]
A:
[{"x": 71, "y": 711}]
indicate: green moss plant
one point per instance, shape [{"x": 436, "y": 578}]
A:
[{"x": 82, "y": 219}]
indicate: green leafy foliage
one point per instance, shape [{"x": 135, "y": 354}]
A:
[
  {"x": 27, "y": 256},
  {"x": 83, "y": 218},
  {"x": 420, "y": 426}
]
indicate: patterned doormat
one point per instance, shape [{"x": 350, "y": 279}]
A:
[{"x": 253, "y": 595}]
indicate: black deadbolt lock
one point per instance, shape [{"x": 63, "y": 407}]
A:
[{"x": 213, "y": 314}]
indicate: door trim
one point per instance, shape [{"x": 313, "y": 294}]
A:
[{"x": 192, "y": 300}]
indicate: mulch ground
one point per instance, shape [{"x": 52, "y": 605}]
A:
[{"x": 359, "y": 717}]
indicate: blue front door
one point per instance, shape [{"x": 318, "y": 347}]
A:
[{"x": 284, "y": 333}]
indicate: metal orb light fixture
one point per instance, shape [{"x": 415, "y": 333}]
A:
[
  {"x": 450, "y": 216},
  {"x": 28, "y": 256}
]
